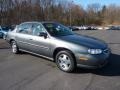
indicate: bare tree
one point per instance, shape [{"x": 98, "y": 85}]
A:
[{"x": 64, "y": 11}]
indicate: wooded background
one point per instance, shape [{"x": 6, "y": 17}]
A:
[{"x": 65, "y": 11}]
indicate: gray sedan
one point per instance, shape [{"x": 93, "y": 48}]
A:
[{"x": 58, "y": 43}]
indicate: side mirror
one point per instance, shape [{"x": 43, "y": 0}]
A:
[{"x": 43, "y": 34}]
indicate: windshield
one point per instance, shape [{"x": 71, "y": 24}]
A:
[{"x": 56, "y": 29}]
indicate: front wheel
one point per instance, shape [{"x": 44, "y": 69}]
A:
[
  {"x": 15, "y": 49},
  {"x": 65, "y": 61}
]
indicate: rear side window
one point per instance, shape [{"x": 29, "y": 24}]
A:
[{"x": 25, "y": 28}]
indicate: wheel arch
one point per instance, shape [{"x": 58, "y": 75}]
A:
[
  {"x": 62, "y": 49},
  {"x": 11, "y": 40}
]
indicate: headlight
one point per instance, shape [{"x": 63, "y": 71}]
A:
[{"x": 94, "y": 51}]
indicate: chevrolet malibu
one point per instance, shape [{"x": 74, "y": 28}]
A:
[{"x": 58, "y": 43}]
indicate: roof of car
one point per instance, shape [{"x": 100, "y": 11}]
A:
[{"x": 39, "y": 22}]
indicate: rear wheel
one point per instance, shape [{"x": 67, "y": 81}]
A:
[
  {"x": 14, "y": 46},
  {"x": 65, "y": 61}
]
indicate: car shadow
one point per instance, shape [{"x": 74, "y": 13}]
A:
[{"x": 111, "y": 69}]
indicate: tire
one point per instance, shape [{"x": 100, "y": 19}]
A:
[
  {"x": 65, "y": 61},
  {"x": 14, "y": 47}
]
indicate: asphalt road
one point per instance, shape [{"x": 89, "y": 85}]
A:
[{"x": 29, "y": 72}]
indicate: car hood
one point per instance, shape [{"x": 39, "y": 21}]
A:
[{"x": 86, "y": 41}]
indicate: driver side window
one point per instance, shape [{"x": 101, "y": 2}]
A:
[{"x": 37, "y": 29}]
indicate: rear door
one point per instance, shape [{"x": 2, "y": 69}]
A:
[{"x": 23, "y": 36}]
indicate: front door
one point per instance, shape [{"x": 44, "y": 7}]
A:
[{"x": 39, "y": 44}]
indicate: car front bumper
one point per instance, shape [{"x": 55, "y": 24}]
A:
[{"x": 92, "y": 61}]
